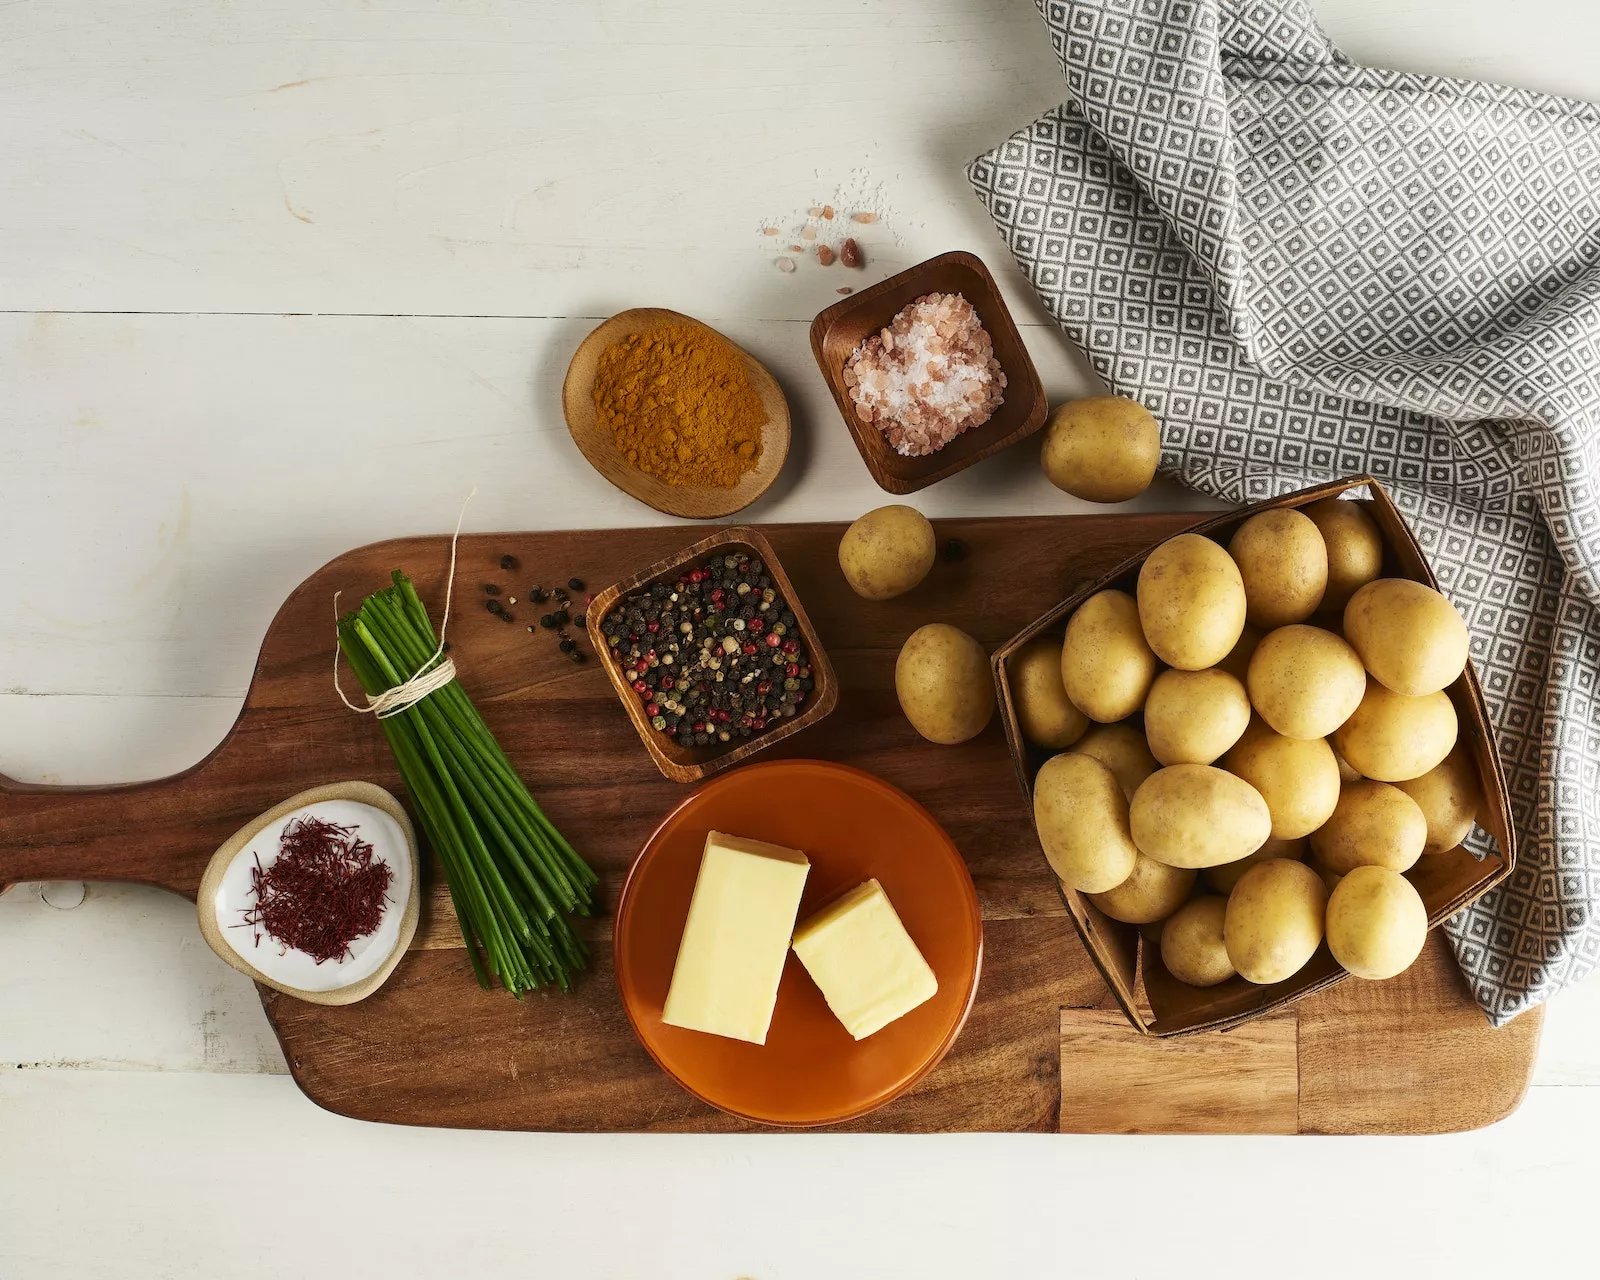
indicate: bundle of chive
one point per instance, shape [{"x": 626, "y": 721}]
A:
[{"x": 513, "y": 878}]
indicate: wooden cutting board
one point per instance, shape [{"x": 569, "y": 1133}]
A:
[{"x": 1042, "y": 1051}]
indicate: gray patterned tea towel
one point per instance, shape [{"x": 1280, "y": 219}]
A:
[{"x": 1308, "y": 269}]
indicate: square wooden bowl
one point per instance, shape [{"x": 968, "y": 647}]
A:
[
  {"x": 839, "y": 330},
  {"x": 1446, "y": 881},
  {"x": 691, "y": 764}
]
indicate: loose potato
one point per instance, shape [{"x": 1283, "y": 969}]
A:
[
  {"x": 1273, "y": 922},
  {"x": 1237, "y": 663},
  {"x": 1106, "y": 666},
  {"x": 1393, "y": 737},
  {"x": 1192, "y": 717},
  {"x": 1121, "y": 748},
  {"x": 1297, "y": 777},
  {"x": 1284, "y": 564},
  {"x": 1305, "y": 681},
  {"x": 1449, "y": 796},
  {"x": 887, "y": 552},
  {"x": 1082, "y": 819},
  {"x": 942, "y": 681},
  {"x": 1191, "y": 602},
  {"x": 1410, "y": 638},
  {"x": 1045, "y": 714},
  {"x": 1374, "y": 825},
  {"x": 1223, "y": 878},
  {"x": 1192, "y": 945},
  {"x": 1377, "y": 923},
  {"x": 1153, "y": 892},
  {"x": 1101, "y": 448},
  {"x": 1194, "y": 815},
  {"x": 1354, "y": 544}
]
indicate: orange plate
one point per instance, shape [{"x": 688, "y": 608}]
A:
[{"x": 851, "y": 826}]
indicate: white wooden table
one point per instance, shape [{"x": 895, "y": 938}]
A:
[{"x": 279, "y": 280}]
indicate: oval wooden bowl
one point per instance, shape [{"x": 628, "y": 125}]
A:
[
  {"x": 599, "y": 446},
  {"x": 211, "y": 929}
]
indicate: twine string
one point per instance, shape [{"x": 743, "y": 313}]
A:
[{"x": 438, "y": 671}]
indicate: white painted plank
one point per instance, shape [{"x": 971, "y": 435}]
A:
[
  {"x": 234, "y": 1178},
  {"x": 169, "y": 479}
]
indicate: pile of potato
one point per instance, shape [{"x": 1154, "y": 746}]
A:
[{"x": 1255, "y": 747}]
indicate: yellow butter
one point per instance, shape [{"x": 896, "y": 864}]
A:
[
  {"x": 746, "y": 897},
  {"x": 860, "y": 955}
]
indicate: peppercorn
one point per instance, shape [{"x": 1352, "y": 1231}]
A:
[
  {"x": 577, "y": 655},
  {"x": 508, "y": 562},
  {"x": 548, "y": 622},
  {"x": 490, "y": 589},
  {"x": 574, "y": 584},
  {"x": 493, "y": 605},
  {"x": 536, "y": 593},
  {"x": 567, "y": 646},
  {"x": 955, "y": 550}
]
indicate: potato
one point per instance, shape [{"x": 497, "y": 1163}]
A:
[
  {"x": 1393, "y": 737},
  {"x": 1284, "y": 564},
  {"x": 1374, "y": 825},
  {"x": 1330, "y": 878},
  {"x": 1194, "y": 815},
  {"x": 1192, "y": 717},
  {"x": 1153, "y": 892},
  {"x": 1297, "y": 777},
  {"x": 1192, "y": 945},
  {"x": 1377, "y": 923},
  {"x": 1449, "y": 796},
  {"x": 1106, "y": 665},
  {"x": 887, "y": 552},
  {"x": 1346, "y": 773},
  {"x": 1045, "y": 714},
  {"x": 1274, "y": 920},
  {"x": 1101, "y": 448},
  {"x": 1082, "y": 819},
  {"x": 942, "y": 680},
  {"x": 1355, "y": 548},
  {"x": 1410, "y": 638},
  {"x": 1237, "y": 663},
  {"x": 1191, "y": 602},
  {"x": 1121, "y": 748},
  {"x": 1305, "y": 681},
  {"x": 1223, "y": 878}
]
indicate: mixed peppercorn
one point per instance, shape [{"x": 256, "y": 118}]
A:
[{"x": 716, "y": 656}]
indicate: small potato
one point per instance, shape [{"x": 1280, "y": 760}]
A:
[
  {"x": 1377, "y": 923},
  {"x": 1284, "y": 564},
  {"x": 1106, "y": 666},
  {"x": 942, "y": 680},
  {"x": 1194, "y": 815},
  {"x": 1297, "y": 777},
  {"x": 1393, "y": 737},
  {"x": 1192, "y": 717},
  {"x": 1192, "y": 945},
  {"x": 1153, "y": 892},
  {"x": 1237, "y": 663},
  {"x": 1374, "y": 825},
  {"x": 1101, "y": 448},
  {"x": 1082, "y": 820},
  {"x": 1305, "y": 681},
  {"x": 887, "y": 552},
  {"x": 1355, "y": 548},
  {"x": 1121, "y": 748},
  {"x": 1273, "y": 923},
  {"x": 1410, "y": 637},
  {"x": 1045, "y": 714},
  {"x": 1449, "y": 796},
  {"x": 1191, "y": 602},
  {"x": 1223, "y": 878}
]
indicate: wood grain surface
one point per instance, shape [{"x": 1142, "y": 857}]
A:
[{"x": 430, "y": 1048}]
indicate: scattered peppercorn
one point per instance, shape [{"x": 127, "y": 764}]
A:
[
  {"x": 490, "y": 589},
  {"x": 574, "y": 584},
  {"x": 577, "y": 655},
  {"x": 536, "y": 594},
  {"x": 493, "y": 605},
  {"x": 548, "y": 622},
  {"x": 508, "y": 562},
  {"x": 955, "y": 550},
  {"x": 567, "y": 646}
]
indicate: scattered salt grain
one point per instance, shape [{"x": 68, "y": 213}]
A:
[
  {"x": 928, "y": 377},
  {"x": 786, "y": 265}
]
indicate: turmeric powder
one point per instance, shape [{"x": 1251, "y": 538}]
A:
[{"x": 680, "y": 406}]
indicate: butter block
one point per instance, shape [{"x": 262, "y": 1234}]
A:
[
  {"x": 859, "y": 953},
  {"x": 746, "y": 898}
]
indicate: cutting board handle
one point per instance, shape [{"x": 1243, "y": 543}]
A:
[{"x": 143, "y": 832}]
